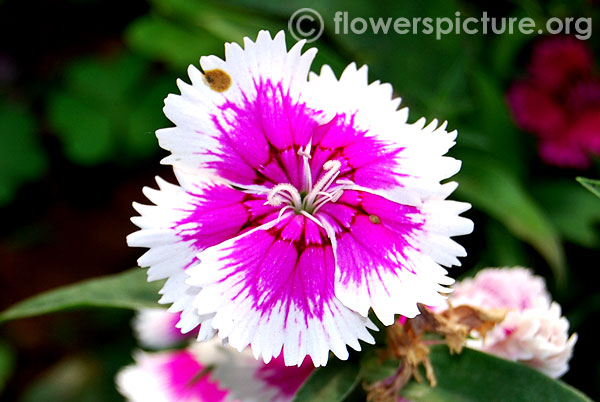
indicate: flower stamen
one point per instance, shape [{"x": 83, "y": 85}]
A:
[
  {"x": 305, "y": 153},
  {"x": 319, "y": 195},
  {"x": 328, "y": 197},
  {"x": 332, "y": 168},
  {"x": 283, "y": 193},
  {"x": 282, "y": 211},
  {"x": 312, "y": 218}
]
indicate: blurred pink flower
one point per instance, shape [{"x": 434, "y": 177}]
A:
[
  {"x": 533, "y": 331},
  {"x": 560, "y": 102},
  {"x": 204, "y": 372},
  {"x": 210, "y": 372},
  {"x": 172, "y": 376}
]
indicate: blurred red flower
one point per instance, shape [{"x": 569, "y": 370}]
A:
[{"x": 559, "y": 102}]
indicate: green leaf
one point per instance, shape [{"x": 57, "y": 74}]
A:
[
  {"x": 590, "y": 184},
  {"x": 129, "y": 289},
  {"x": 330, "y": 383},
  {"x": 474, "y": 376},
  {"x": 492, "y": 188},
  {"x": 163, "y": 40}
]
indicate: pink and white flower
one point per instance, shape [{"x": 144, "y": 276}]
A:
[
  {"x": 175, "y": 376},
  {"x": 210, "y": 373},
  {"x": 533, "y": 332},
  {"x": 301, "y": 205}
]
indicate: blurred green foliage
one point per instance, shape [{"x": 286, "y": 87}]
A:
[
  {"x": 106, "y": 109},
  {"x": 69, "y": 380},
  {"x": 21, "y": 156},
  {"x": 7, "y": 363}
]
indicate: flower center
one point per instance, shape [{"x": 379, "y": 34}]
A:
[{"x": 312, "y": 198}]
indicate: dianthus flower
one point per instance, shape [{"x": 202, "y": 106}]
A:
[
  {"x": 301, "y": 205},
  {"x": 203, "y": 372},
  {"x": 533, "y": 331},
  {"x": 172, "y": 376}
]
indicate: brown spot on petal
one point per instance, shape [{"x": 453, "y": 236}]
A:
[
  {"x": 374, "y": 219},
  {"x": 217, "y": 79}
]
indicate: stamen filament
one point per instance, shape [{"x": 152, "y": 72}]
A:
[
  {"x": 328, "y": 197},
  {"x": 305, "y": 153},
  {"x": 282, "y": 211},
  {"x": 333, "y": 169},
  {"x": 319, "y": 195},
  {"x": 312, "y": 218}
]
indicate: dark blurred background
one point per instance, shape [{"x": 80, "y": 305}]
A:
[{"x": 81, "y": 89}]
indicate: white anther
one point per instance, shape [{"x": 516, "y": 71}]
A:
[
  {"x": 284, "y": 192},
  {"x": 332, "y": 164}
]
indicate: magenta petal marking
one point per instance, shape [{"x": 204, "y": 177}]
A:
[
  {"x": 257, "y": 208},
  {"x": 262, "y": 134},
  {"x": 182, "y": 370},
  {"x": 366, "y": 160},
  {"x": 319, "y": 157},
  {"x": 290, "y": 162},
  {"x": 343, "y": 214},
  {"x": 274, "y": 173},
  {"x": 339, "y": 133},
  {"x": 376, "y": 238},
  {"x": 261, "y": 130},
  {"x": 219, "y": 213},
  {"x": 290, "y": 263}
]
